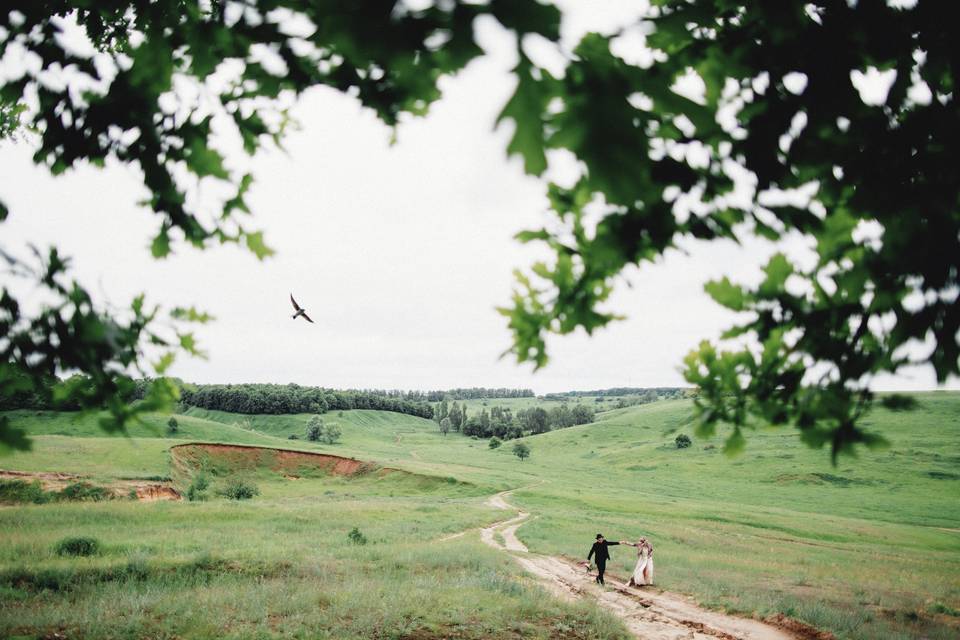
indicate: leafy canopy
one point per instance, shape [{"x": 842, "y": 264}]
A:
[
  {"x": 869, "y": 183},
  {"x": 778, "y": 104},
  {"x": 147, "y": 83}
]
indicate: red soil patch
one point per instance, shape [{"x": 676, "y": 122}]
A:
[
  {"x": 154, "y": 492},
  {"x": 287, "y": 462},
  {"x": 145, "y": 490}
]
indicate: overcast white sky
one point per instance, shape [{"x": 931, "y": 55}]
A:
[{"x": 399, "y": 253}]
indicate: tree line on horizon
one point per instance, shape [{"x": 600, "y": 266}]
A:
[
  {"x": 272, "y": 398},
  {"x": 250, "y": 398},
  {"x": 505, "y": 424},
  {"x": 661, "y": 392}
]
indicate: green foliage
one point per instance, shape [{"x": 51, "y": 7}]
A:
[
  {"x": 389, "y": 59},
  {"x": 77, "y": 546},
  {"x": 172, "y": 425},
  {"x": 445, "y": 426},
  {"x": 778, "y": 105},
  {"x": 356, "y": 537},
  {"x": 85, "y": 491},
  {"x": 314, "y": 428},
  {"x": 240, "y": 489},
  {"x": 683, "y": 441},
  {"x": 73, "y": 334},
  {"x": 521, "y": 450},
  {"x": 10, "y": 127},
  {"x": 331, "y": 434},
  {"x": 494, "y": 442},
  {"x": 23, "y": 492},
  {"x": 293, "y": 398},
  {"x": 197, "y": 491}
]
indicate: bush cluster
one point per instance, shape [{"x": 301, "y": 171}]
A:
[
  {"x": 240, "y": 489},
  {"x": 356, "y": 537},
  {"x": 78, "y": 546},
  {"x": 198, "y": 488},
  {"x": 85, "y": 491}
]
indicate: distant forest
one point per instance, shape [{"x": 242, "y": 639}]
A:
[
  {"x": 252, "y": 399},
  {"x": 662, "y": 392},
  {"x": 292, "y": 398},
  {"x": 473, "y": 393},
  {"x": 260, "y": 398}
]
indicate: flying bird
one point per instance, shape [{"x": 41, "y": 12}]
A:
[{"x": 300, "y": 311}]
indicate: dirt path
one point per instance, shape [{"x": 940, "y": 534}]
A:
[{"x": 648, "y": 613}]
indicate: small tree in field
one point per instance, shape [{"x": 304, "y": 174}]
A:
[
  {"x": 445, "y": 426},
  {"x": 330, "y": 434},
  {"x": 172, "y": 425},
  {"x": 521, "y": 450},
  {"x": 314, "y": 428},
  {"x": 495, "y": 442},
  {"x": 683, "y": 441}
]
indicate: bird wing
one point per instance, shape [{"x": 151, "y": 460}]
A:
[
  {"x": 296, "y": 307},
  {"x": 307, "y": 317}
]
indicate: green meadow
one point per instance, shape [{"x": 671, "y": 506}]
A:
[{"x": 869, "y": 548}]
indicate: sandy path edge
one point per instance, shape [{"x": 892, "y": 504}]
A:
[{"x": 650, "y": 614}]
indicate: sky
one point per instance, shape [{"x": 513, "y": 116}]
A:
[{"x": 400, "y": 253}]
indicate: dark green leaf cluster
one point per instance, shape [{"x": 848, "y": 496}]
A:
[
  {"x": 131, "y": 96},
  {"x": 247, "y": 59},
  {"x": 870, "y": 186},
  {"x": 356, "y": 537},
  {"x": 77, "y": 546},
  {"x": 197, "y": 491},
  {"x": 73, "y": 335},
  {"x": 239, "y": 489},
  {"x": 521, "y": 450}
]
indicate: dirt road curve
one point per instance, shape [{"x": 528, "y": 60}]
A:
[{"x": 648, "y": 613}]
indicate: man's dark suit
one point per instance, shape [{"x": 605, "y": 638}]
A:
[{"x": 599, "y": 549}]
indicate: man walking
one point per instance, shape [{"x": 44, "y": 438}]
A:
[{"x": 599, "y": 549}]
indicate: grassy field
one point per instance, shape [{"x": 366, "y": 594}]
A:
[{"x": 867, "y": 549}]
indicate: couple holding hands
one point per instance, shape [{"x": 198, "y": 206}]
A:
[{"x": 642, "y": 573}]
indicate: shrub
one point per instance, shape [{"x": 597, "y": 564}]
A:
[
  {"x": 198, "y": 488},
  {"x": 20, "y": 492},
  {"x": 330, "y": 433},
  {"x": 293, "y": 436},
  {"x": 494, "y": 442},
  {"x": 84, "y": 491},
  {"x": 77, "y": 546},
  {"x": 683, "y": 441},
  {"x": 314, "y": 428},
  {"x": 240, "y": 490},
  {"x": 521, "y": 450},
  {"x": 356, "y": 537},
  {"x": 172, "y": 425}
]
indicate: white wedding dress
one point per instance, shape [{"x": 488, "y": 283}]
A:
[{"x": 643, "y": 572}]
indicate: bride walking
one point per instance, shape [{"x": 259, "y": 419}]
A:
[{"x": 643, "y": 572}]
